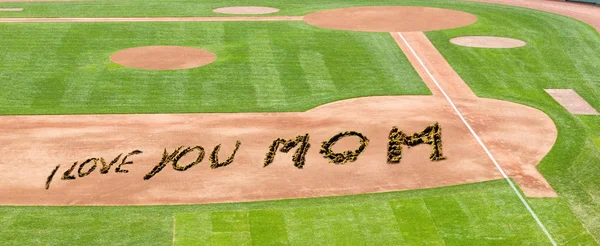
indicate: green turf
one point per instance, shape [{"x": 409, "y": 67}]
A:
[
  {"x": 560, "y": 54},
  {"x": 478, "y": 214},
  {"x": 597, "y": 142},
  {"x": 49, "y": 68}
]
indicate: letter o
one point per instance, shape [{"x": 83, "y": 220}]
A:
[{"x": 346, "y": 156}]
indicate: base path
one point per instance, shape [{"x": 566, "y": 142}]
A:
[
  {"x": 572, "y": 101},
  {"x": 451, "y": 83},
  {"x": 153, "y": 19}
]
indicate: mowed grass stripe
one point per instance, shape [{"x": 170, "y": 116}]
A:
[
  {"x": 378, "y": 224},
  {"x": 268, "y": 227},
  {"x": 476, "y": 218},
  {"x": 415, "y": 222},
  {"x": 192, "y": 229},
  {"x": 395, "y": 217},
  {"x": 264, "y": 73}
]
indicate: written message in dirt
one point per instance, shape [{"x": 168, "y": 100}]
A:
[{"x": 431, "y": 135}]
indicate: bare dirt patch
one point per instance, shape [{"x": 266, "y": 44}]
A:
[
  {"x": 35, "y": 145},
  {"x": 488, "y": 42},
  {"x": 390, "y": 19},
  {"x": 572, "y": 101},
  {"x": 449, "y": 80},
  {"x": 163, "y": 57},
  {"x": 246, "y": 10},
  {"x": 11, "y": 9}
]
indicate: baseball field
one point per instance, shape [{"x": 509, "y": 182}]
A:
[{"x": 263, "y": 122}]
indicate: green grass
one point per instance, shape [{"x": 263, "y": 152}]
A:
[
  {"x": 479, "y": 214},
  {"x": 50, "y": 69},
  {"x": 597, "y": 142}
]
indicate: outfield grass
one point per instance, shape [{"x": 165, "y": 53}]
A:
[
  {"x": 560, "y": 54},
  {"x": 480, "y": 214},
  {"x": 64, "y": 68}
]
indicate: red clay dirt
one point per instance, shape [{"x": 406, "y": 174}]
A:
[
  {"x": 488, "y": 42},
  {"x": 33, "y": 145},
  {"x": 245, "y": 10},
  {"x": 572, "y": 101},
  {"x": 449, "y": 80},
  {"x": 163, "y": 57},
  {"x": 390, "y": 19}
]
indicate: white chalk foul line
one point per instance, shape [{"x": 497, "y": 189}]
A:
[{"x": 512, "y": 185}]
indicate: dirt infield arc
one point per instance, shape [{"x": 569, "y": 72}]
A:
[
  {"x": 390, "y": 19},
  {"x": 53, "y": 140}
]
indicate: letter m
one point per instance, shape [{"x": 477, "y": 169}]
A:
[{"x": 431, "y": 135}]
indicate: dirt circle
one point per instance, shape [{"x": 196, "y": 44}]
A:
[
  {"x": 390, "y": 19},
  {"x": 488, "y": 42},
  {"x": 246, "y": 10},
  {"x": 163, "y": 57}
]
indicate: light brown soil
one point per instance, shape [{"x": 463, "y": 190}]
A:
[
  {"x": 11, "y": 9},
  {"x": 390, "y": 19},
  {"x": 38, "y": 143},
  {"x": 245, "y": 10},
  {"x": 163, "y": 57},
  {"x": 587, "y": 13},
  {"x": 572, "y": 102},
  {"x": 153, "y": 19},
  {"x": 488, "y": 42},
  {"x": 437, "y": 65}
]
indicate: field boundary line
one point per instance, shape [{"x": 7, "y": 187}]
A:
[
  {"x": 152, "y": 19},
  {"x": 512, "y": 185},
  {"x": 173, "y": 234}
]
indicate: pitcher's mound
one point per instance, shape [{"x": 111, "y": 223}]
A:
[
  {"x": 245, "y": 10},
  {"x": 163, "y": 57},
  {"x": 488, "y": 42},
  {"x": 390, "y": 19}
]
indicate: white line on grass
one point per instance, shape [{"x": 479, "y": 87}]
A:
[
  {"x": 512, "y": 185},
  {"x": 173, "y": 235}
]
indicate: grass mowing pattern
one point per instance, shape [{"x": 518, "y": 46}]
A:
[
  {"x": 49, "y": 68},
  {"x": 559, "y": 55},
  {"x": 482, "y": 214}
]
